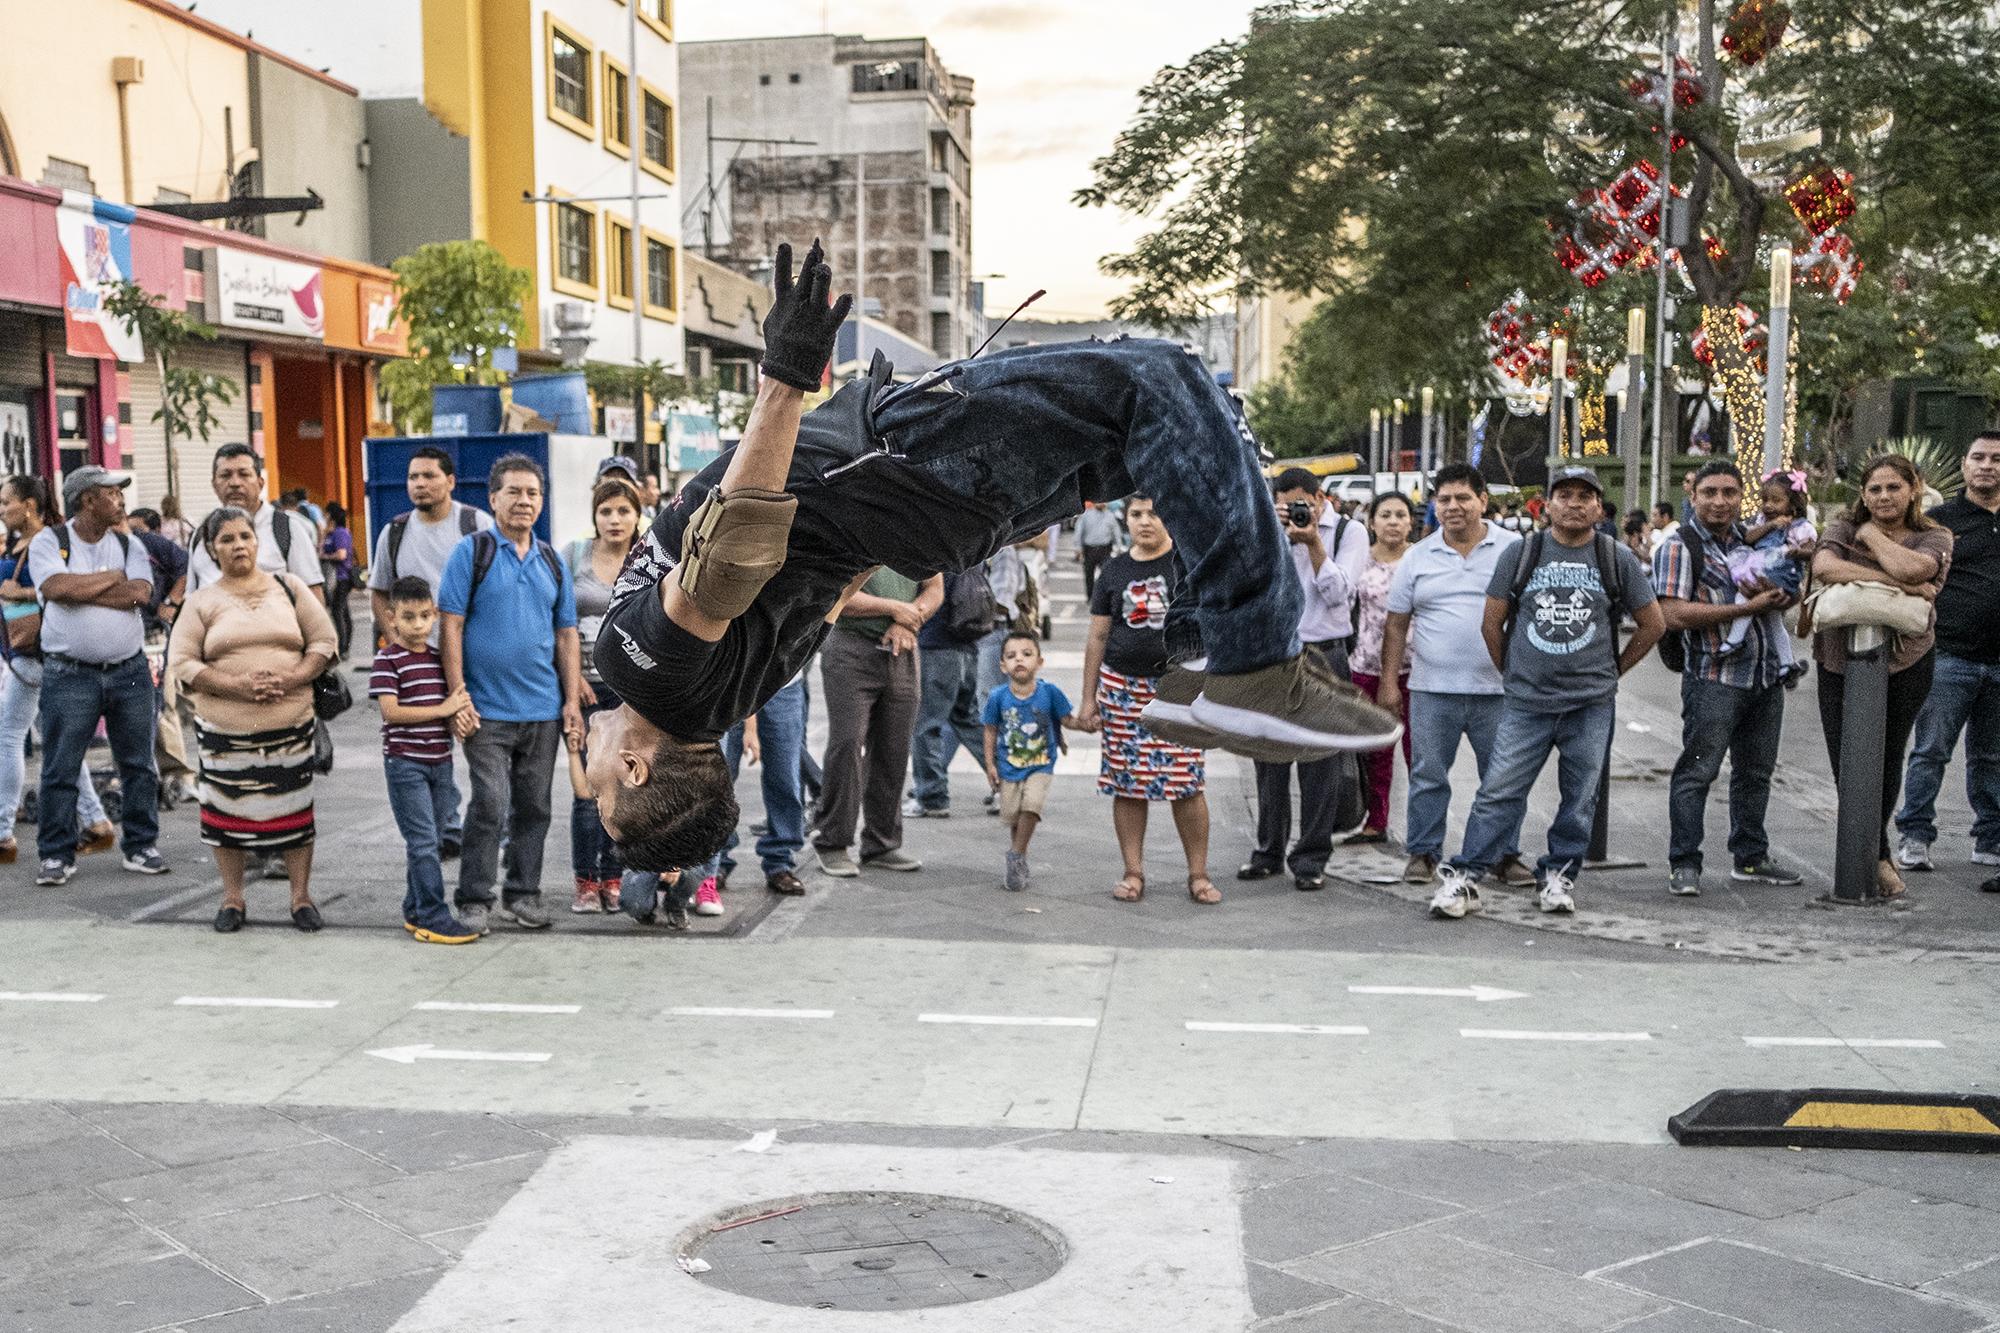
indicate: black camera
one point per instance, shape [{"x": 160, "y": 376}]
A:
[{"x": 1298, "y": 513}]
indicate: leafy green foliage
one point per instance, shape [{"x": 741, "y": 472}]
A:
[
  {"x": 188, "y": 398},
  {"x": 461, "y": 301}
]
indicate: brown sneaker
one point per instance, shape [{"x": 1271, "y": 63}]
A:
[
  {"x": 98, "y": 838},
  {"x": 1170, "y": 716},
  {"x": 1299, "y": 704},
  {"x": 1420, "y": 869},
  {"x": 784, "y": 882},
  {"x": 1514, "y": 872}
]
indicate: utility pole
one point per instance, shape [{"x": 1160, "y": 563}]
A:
[
  {"x": 635, "y": 259},
  {"x": 1663, "y": 340},
  {"x": 1776, "y": 354}
]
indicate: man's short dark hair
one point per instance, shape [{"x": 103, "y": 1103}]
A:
[
  {"x": 1984, "y": 436},
  {"x": 237, "y": 449},
  {"x": 507, "y": 463},
  {"x": 409, "y": 588},
  {"x": 1717, "y": 467},
  {"x": 436, "y": 455},
  {"x": 683, "y": 815},
  {"x": 1026, "y": 635},
  {"x": 1295, "y": 479},
  {"x": 1663, "y": 509},
  {"x": 149, "y": 519},
  {"x": 1462, "y": 474}
]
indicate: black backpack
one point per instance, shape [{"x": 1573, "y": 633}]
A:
[
  {"x": 1673, "y": 644},
  {"x": 970, "y": 609},
  {"x": 399, "y": 526},
  {"x": 485, "y": 547},
  {"x": 1606, "y": 550}
]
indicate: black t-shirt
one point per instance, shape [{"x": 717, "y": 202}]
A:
[
  {"x": 1136, "y": 594},
  {"x": 1968, "y": 607}
]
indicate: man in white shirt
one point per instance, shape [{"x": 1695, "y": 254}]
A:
[
  {"x": 1097, "y": 533},
  {"x": 1329, "y": 553},
  {"x": 1437, "y": 607},
  {"x": 286, "y": 542},
  {"x": 92, "y": 581}
]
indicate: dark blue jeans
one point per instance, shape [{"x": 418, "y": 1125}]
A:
[
  {"x": 1965, "y": 696},
  {"x": 1581, "y": 738},
  {"x": 74, "y": 696},
  {"x": 947, "y": 717},
  {"x": 421, "y": 797},
  {"x": 592, "y": 853},
  {"x": 781, "y": 740},
  {"x": 1025, "y": 436},
  {"x": 1718, "y": 720}
]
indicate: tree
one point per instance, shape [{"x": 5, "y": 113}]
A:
[
  {"x": 1414, "y": 161},
  {"x": 188, "y": 398},
  {"x": 461, "y": 301}
]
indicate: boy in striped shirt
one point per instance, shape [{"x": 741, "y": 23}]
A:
[{"x": 408, "y": 680}]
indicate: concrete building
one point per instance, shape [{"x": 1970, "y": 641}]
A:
[
  {"x": 1265, "y": 325},
  {"x": 882, "y": 122}
]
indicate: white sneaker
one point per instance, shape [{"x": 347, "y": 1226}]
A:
[
  {"x": 1986, "y": 858},
  {"x": 1555, "y": 894},
  {"x": 1915, "y": 854},
  {"x": 1456, "y": 894}
]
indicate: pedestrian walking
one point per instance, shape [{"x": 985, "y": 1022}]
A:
[
  {"x": 246, "y": 650},
  {"x": 1390, "y": 521},
  {"x": 1437, "y": 607},
  {"x": 1097, "y": 534},
  {"x": 1551, "y": 628},
  {"x": 1023, "y": 722},
  {"x": 336, "y": 553},
  {"x": 510, "y": 642},
  {"x": 1965, "y": 683},
  {"x": 407, "y": 681},
  {"x": 1732, "y": 704},
  {"x": 1329, "y": 552},
  {"x": 1885, "y": 537},
  {"x": 92, "y": 581},
  {"x": 594, "y": 565},
  {"x": 949, "y": 698},
  {"x": 26, "y": 507},
  {"x": 1123, "y": 661}
]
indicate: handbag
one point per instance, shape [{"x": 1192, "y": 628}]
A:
[
  {"x": 331, "y": 697},
  {"x": 1839, "y": 605}
]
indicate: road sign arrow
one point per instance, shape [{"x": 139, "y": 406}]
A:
[
  {"x": 1483, "y": 994},
  {"x": 409, "y": 1055}
]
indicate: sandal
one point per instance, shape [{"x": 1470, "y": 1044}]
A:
[
  {"x": 1131, "y": 888},
  {"x": 9, "y": 851},
  {"x": 1202, "y": 889}
]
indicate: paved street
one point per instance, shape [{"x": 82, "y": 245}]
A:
[{"x": 1293, "y": 1111}]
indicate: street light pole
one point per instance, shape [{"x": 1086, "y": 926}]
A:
[
  {"x": 1628, "y": 403},
  {"x": 1776, "y": 354},
  {"x": 1558, "y": 365},
  {"x": 1663, "y": 337},
  {"x": 635, "y": 144}
]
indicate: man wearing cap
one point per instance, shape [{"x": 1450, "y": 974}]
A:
[
  {"x": 620, "y": 466},
  {"x": 92, "y": 581},
  {"x": 1551, "y": 627}
]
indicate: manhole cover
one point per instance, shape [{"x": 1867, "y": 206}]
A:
[{"x": 869, "y": 1251}]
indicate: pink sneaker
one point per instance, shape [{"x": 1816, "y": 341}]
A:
[
  {"x": 587, "y": 899},
  {"x": 607, "y": 890},
  {"x": 707, "y": 902}
]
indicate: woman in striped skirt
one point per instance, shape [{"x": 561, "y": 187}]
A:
[{"x": 247, "y": 649}]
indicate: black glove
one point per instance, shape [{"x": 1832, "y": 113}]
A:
[{"x": 799, "y": 331}]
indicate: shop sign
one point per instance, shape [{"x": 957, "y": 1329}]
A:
[
  {"x": 263, "y": 294},
  {"x": 380, "y": 330},
  {"x": 693, "y": 441},
  {"x": 618, "y": 423},
  {"x": 94, "y": 240}
]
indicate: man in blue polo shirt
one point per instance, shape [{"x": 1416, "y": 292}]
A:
[{"x": 509, "y": 641}]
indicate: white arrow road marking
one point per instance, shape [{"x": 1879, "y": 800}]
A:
[
  {"x": 464, "y": 1007},
  {"x": 1512, "y": 1034},
  {"x": 1295, "y": 1029},
  {"x": 251, "y": 1002},
  {"x": 409, "y": 1055},
  {"x": 1483, "y": 994},
  {"x": 50, "y": 996},
  {"x": 1008, "y": 1020},
  {"x": 1852, "y": 1043},
  {"x": 709, "y": 1011}
]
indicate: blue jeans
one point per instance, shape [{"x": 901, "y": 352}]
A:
[
  {"x": 1437, "y": 722},
  {"x": 592, "y": 853},
  {"x": 421, "y": 797},
  {"x": 989, "y": 674},
  {"x": 1581, "y": 738},
  {"x": 781, "y": 740},
  {"x": 1965, "y": 696},
  {"x": 640, "y": 890},
  {"x": 74, "y": 696},
  {"x": 1023, "y": 437},
  {"x": 20, "y": 700},
  {"x": 947, "y": 717},
  {"x": 1745, "y": 724}
]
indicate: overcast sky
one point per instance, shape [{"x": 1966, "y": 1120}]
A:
[{"x": 1055, "y": 81}]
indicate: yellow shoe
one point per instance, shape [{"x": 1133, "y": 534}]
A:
[{"x": 456, "y": 934}]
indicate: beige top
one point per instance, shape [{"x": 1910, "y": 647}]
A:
[
  {"x": 1830, "y": 647},
  {"x": 240, "y": 634}
]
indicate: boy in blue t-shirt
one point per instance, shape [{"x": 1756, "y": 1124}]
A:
[{"x": 1024, "y": 718}]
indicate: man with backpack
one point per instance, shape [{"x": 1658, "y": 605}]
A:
[
  {"x": 287, "y": 542},
  {"x": 948, "y": 697},
  {"x": 1731, "y": 703},
  {"x": 510, "y": 641},
  {"x": 1551, "y": 627}
]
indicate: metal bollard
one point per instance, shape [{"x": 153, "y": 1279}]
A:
[{"x": 1864, "y": 716}]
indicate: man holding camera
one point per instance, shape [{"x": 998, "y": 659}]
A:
[{"x": 1329, "y": 553}]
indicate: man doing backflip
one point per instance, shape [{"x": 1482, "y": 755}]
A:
[{"x": 742, "y": 576}]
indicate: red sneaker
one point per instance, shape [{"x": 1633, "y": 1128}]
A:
[
  {"x": 588, "y": 899},
  {"x": 607, "y": 890}
]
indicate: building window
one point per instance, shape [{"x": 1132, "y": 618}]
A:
[
  {"x": 618, "y": 263},
  {"x": 573, "y": 242},
  {"x": 941, "y": 333},
  {"x": 663, "y": 279},
  {"x": 657, "y": 125},
  {"x": 568, "y": 73},
  {"x": 659, "y": 16},
  {"x": 792, "y": 78},
  {"x": 763, "y": 80},
  {"x": 889, "y": 76},
  {"x": 617, "y": 108},
  {"x": 165, "y": 196},
  {"x": 67, "y": 175},
  {"x": 941, "y": 211},
  {"x": 940, "y": 273},
  {"x": 940, "y": 151}
]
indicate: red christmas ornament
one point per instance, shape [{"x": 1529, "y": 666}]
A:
[
  {"x": 1755, "y": 27},
  {"x": 1516, "y": 347},
  {"x": 1823, "y": 198},
  {"x": 1830, "y": 262},
  {"x": 1688, "y": 90}
]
